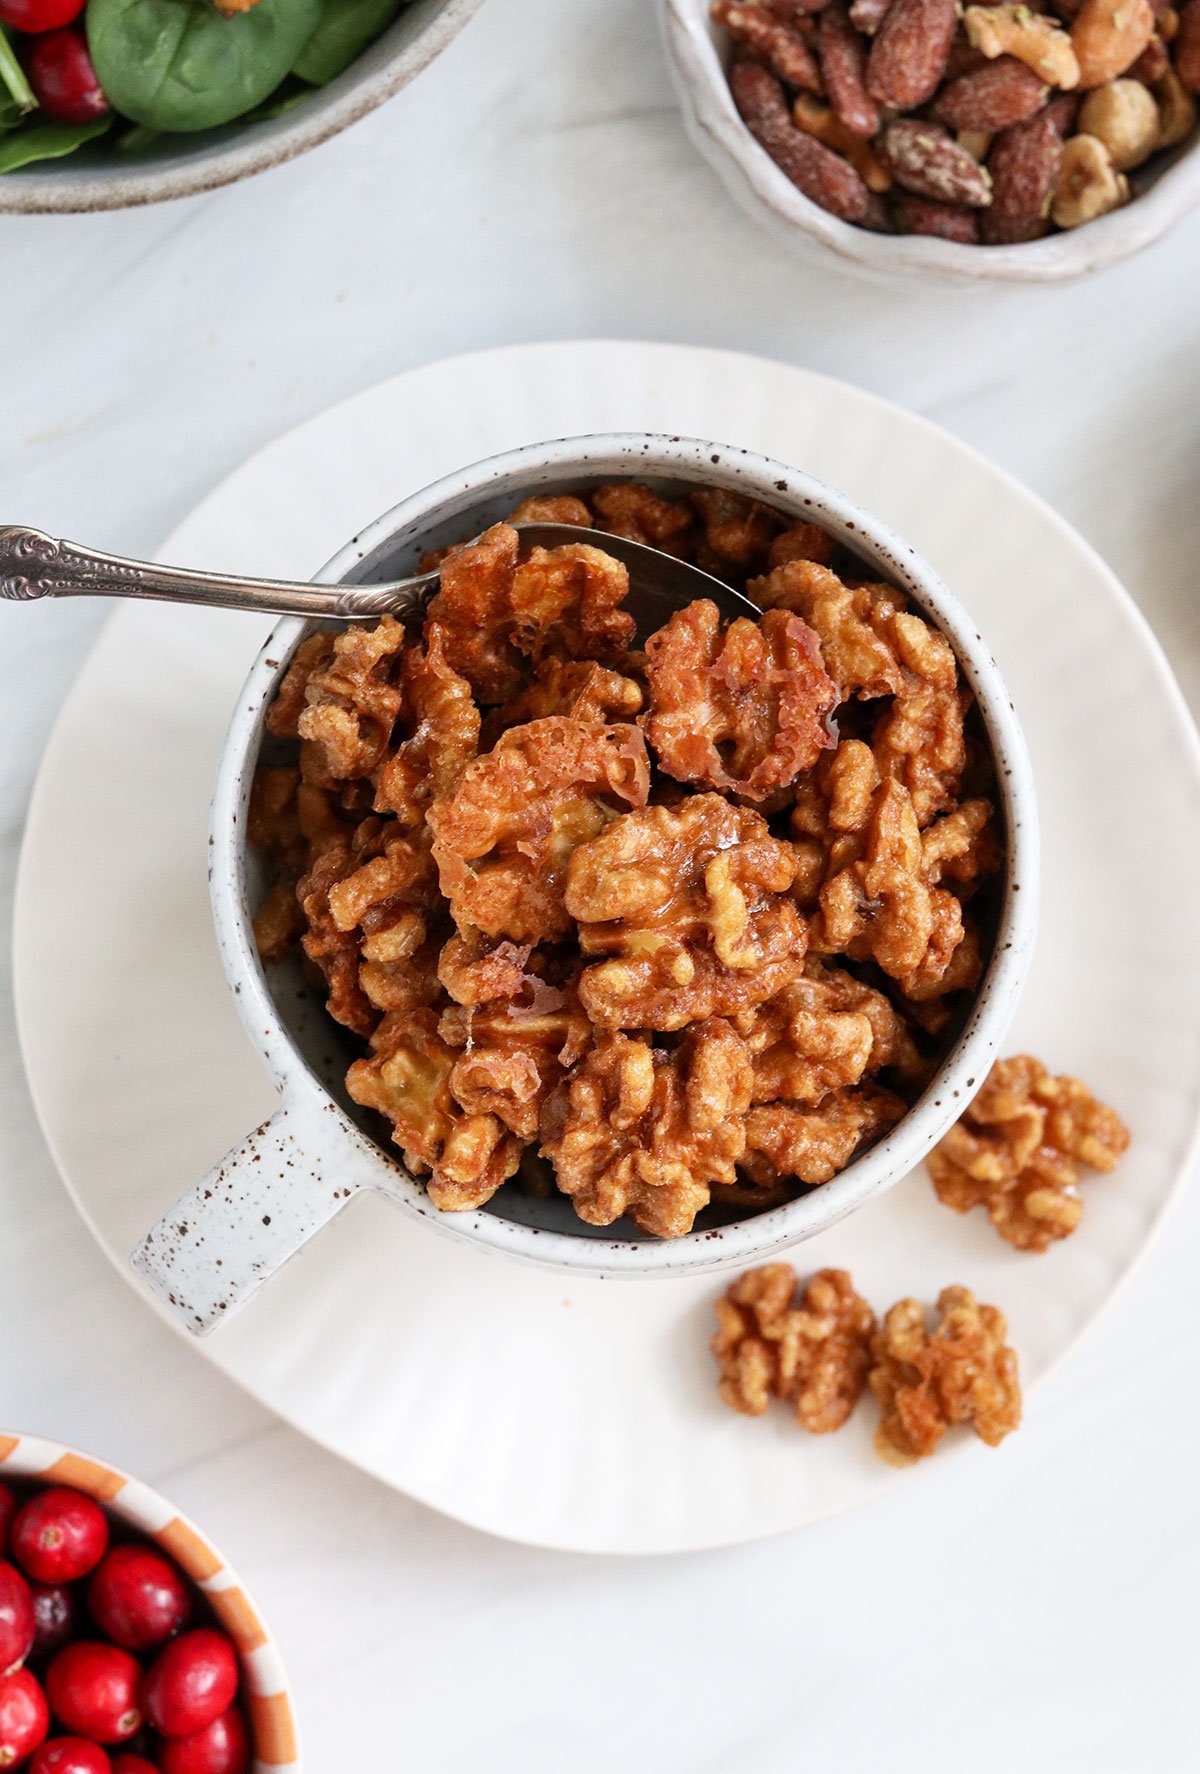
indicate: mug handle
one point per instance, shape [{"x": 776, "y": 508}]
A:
[{"x": 253, "y": 1211}]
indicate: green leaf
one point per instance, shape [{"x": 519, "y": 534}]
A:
[
  {"x": 180, "y": 65},
  {"x": 15, "y": 90},
  {"x": 346, "y": 27},
  {"x": 47, "y": 141}
]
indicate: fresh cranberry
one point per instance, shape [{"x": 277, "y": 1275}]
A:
[
  {"x": 70, "y": 1755},
  {"x": 93, "y": 1689},
  {"x": 129, "y": 1764},
  {"x": 8, "y": 1508},
  {"x": 138, "y": 1599},
  {"x": 24, "y": 1717},
  {"x": 63, "y": 79},
  {"x": 54, "y": 1617},
  {"x": 190, "y": 1683},
  {"x": 59, "y": 1535},
  {"x": 16, "y": 1619},
  {"x": 223, "y": 1748},
  {"x": 39, "y": 15}
]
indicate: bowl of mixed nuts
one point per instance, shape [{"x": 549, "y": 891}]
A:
[
  {"x": 616, "y": 951},
  {"x": 1026, "y": 143}
]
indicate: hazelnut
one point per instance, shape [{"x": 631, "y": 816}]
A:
[{"x": 1124, "y": 116}]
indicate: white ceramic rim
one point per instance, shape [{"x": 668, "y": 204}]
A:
[
  {"x": 763, "y": 191},
  {"x": 964, "y": 1067},
  {"x": 68, "y": 187},
  {"x": 267, "y": 1692}
]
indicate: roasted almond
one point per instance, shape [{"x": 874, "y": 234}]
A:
[
  {"x": 926, "y": 160},
  {"x": 1024, "y": 164},
  {"x": 994, "y": 96},
  {"x": 823, "y": 176},
  {"x": 908, "y": 56}
]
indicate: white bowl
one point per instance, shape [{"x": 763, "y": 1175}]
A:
[
  {"x": 288, "y": 1178},
  {"x": 698, "y": 55},
  {"x": 270, "y": 1706},
  {"x": 96, "y": 178}
]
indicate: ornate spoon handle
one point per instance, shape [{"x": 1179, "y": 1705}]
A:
[{"x": 34, "y": 565}]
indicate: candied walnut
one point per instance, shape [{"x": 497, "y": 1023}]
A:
[
  {"x": 812, "y": 1352},
  {"x": 874, "y": 903},
  {"x": 964, "y": 1372},
  {"x": 295, "y": 823},
  {"x": 291, "y": 699},
  {"x": 476, "y": 969},
  {"x": 813, "y": 1144},
  {"x": 961, "y": 846},
  {"x": 632, "y": 509},
  {"x": 639, "y": 1131},
  {"x": 367, "y": 908},
  {"x": 872, "y": 646},
  {"x": 443, "y": 734},
  {"x": 277, "y": 924},
  {"x": 1016, "y": 1151},
  {"x": 852, "y": 623},
  {"x": 473, "y": 609},
  {"x": 738, "y": 532},
  {"x": 686, "y": 903},
  {"x": 553, "y": 508},
  {"x": 504, "y": 839},
  {"x": 353, "y": 699},
  {"x": 495, "y": 608},
  {"x": 578, "y": 688},
  {"x": 919, "y": 741},
  {"x": 744, "y": 708},
  {"x": 570, "y": 598},
  {"x": 801, "y": 542},
  {"x": 272, "y": 821},
  {"x": 514, "y": 1053},
  {"x": 823, "y": 1031},
  {"x": 407, "y": 1079}
]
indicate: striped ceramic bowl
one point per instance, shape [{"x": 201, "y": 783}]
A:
[{"x": 265, "y": 1689}]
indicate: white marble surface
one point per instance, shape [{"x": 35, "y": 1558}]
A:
[{"x": 536, "y": 183}]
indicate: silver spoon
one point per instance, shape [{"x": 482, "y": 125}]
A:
[{"x": 34, "y": 565}]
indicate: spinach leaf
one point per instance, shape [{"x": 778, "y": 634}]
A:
[
  {"x": 346, "y": 27},
  {"x": 16, "y": 94},
  {"x": 180, "y": 65},
  {"x": 47, "y": 141}
]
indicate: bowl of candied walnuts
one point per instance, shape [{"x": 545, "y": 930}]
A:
[
  {"x": 622, "y": 951},
  {"x": 1027, "y": 143}
]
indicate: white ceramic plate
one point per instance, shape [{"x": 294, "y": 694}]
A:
[{"x": 574, "y": 1412}]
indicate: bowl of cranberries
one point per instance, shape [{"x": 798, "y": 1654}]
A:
[{"x": 127, "y": 1644}]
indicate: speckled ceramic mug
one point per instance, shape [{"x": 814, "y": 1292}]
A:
[
  {"x": 265, "y": 1691},
  {"x": 289, "y": 1177}
]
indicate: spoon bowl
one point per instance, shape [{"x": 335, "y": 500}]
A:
[{"x": 34, "y": 565}]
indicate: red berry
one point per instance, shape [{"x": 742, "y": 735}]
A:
[
  {"x": 70, "y": 1755},
  {"x": 130, "y": 1764},
  {"x": 59, "y": 1535},
  {"x": 190, "y": 1683},
  {"x": 223, "y": 1748},
  {"x": 93, "y": 1689},
  {"x": 54, "y": 1617},
  {"x": 63, "y": 79},
  {"x": 137, "y": 1597},
  {"x": 8, "y": 1508},
  {"x": 24, "y": 1717},
  {"x": 39, "y": 15},
  {"x": 16, "y": 1619}
]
